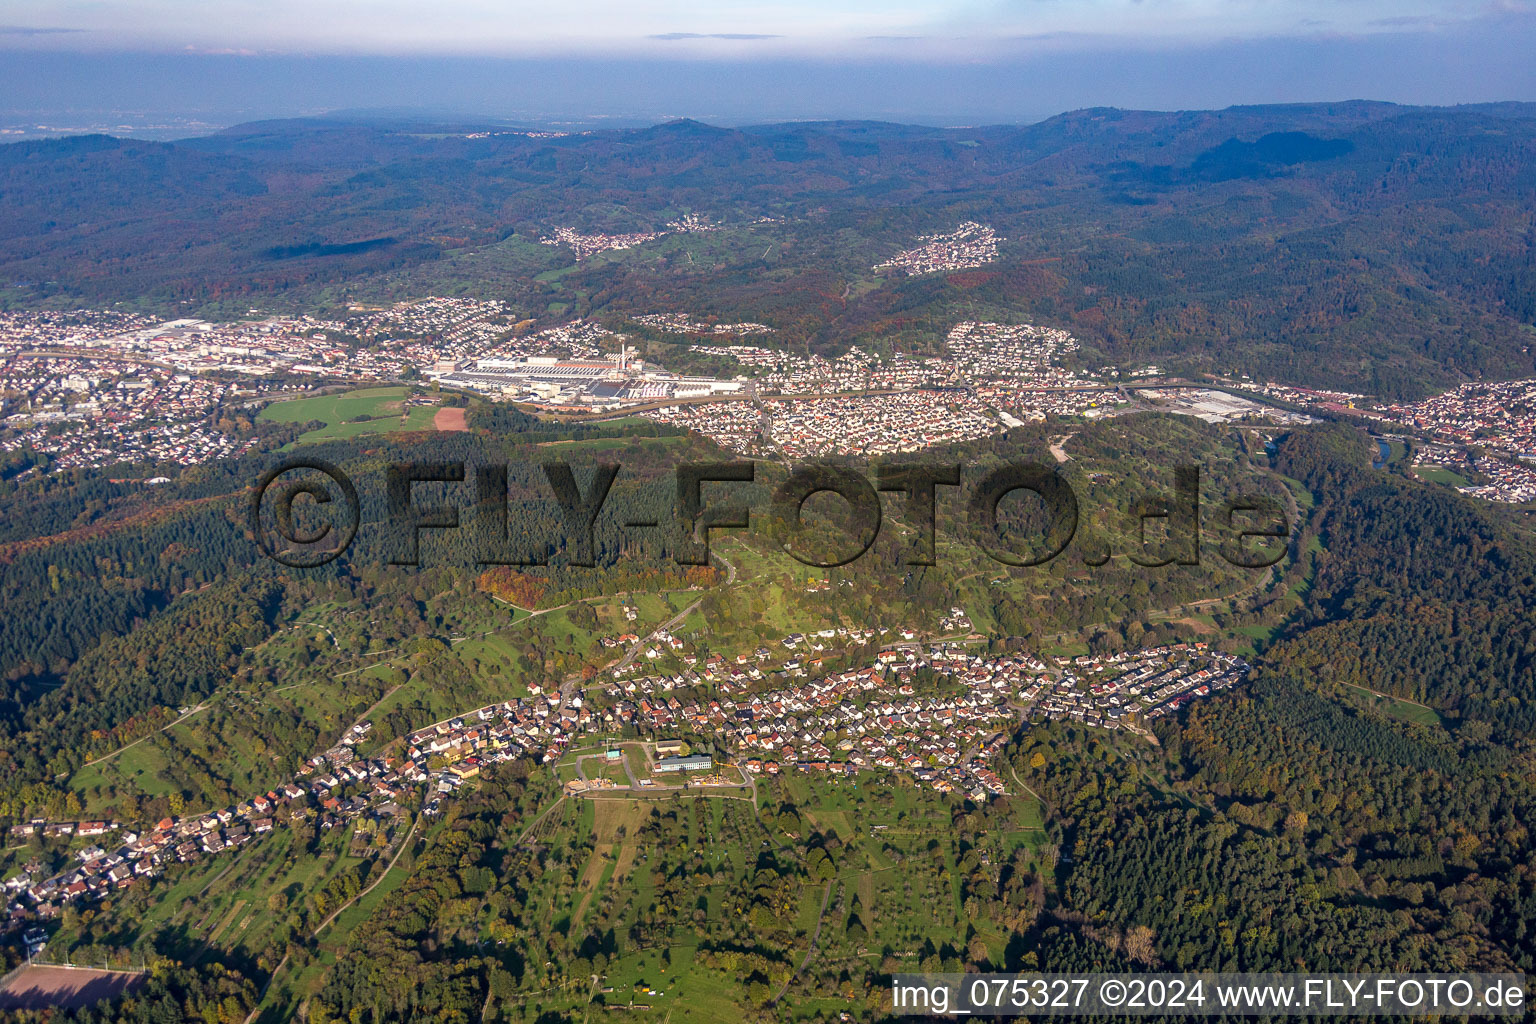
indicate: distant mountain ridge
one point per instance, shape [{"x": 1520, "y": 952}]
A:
[{"x": 1356, "y": 242}]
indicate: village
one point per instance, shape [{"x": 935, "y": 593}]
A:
[
  {"x": 95, "y": 389},
  {"x": 992, "y": 377},
  {"x": 1499, "y": 414},
  {"x": 1498, "y": 417},
  {"x": 372, "y": 343},
  {"x": 336, "y": 789},
  {"x": 99, "y": 412},
  {"x": 934, "y": 711},
  {"x": 584, "y": 245},
  {"x": 875, "y": 425},
  {"x": 1027, "y": 355},
  {"x": 1508, "y": 482},
  {"x": 682, "y": 323},
  {"x": 970, "y": 245}
]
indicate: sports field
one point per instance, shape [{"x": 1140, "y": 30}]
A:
[{"x": 37, "y": 987}]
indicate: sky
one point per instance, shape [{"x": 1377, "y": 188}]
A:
[{"x": 731, "y": 61}]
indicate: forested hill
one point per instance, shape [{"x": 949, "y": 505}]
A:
[{"x": 1362, "y": 245}]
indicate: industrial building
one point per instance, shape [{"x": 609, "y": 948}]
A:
[{"x": 691, "y": 763}]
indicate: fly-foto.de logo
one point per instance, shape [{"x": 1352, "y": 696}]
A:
[{"x": 307, "y": 512}]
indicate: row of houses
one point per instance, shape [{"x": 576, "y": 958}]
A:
[
  {"x": 334, "y": 788},
  {"x": 865, "y": 719},
  {"x": 56, "y": 829},
  {"x": 872, "y": 714},
  {"x": 1111, "y": 691},
  {"x": 330, "y": 794},
  {"x": 450, "y": 753},
  {"x": 741, "y": 669}
]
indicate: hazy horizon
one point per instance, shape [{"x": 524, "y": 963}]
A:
[{"x": 985, "y": 69}]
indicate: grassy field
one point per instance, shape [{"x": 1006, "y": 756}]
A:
[
  {"x": 140, "y": 767},
  {"x": 1396, "y": 707},
  {"x": 386, "y": 405},
  {"x": 1440, "y": 475}
]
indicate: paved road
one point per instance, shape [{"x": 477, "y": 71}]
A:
[
  {"x": 671, "y": 624},
  {"x": 581, "y": 769}
]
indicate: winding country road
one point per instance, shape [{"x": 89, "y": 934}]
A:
[
  {"x": 810, "y": 951},
  {"x": 671, "y": 624},
  {"x": 169, "y": 725},
  {"x": 404, "y": 844}
]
